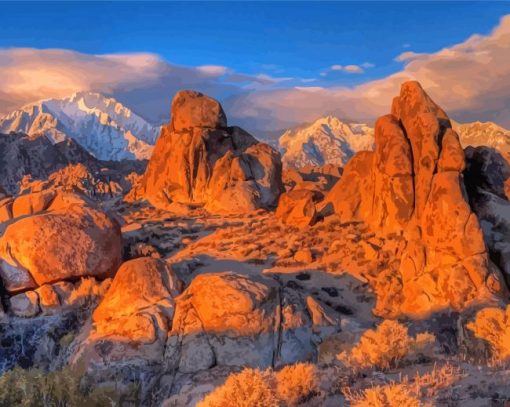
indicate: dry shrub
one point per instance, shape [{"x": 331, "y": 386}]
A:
[
  {"x": 439, "y": 378},
  {"x": 295, "y": 383},
  {"x": 381, "y": 347},
  {"x": 406, "y": 393},
  {"x": 290, "y": 386},
  {"x": 385, "y": 346},
  {"x": 493, "y": 326},
  {"x": 389, "y": 395},
  {"x": 249, "y": 388}
]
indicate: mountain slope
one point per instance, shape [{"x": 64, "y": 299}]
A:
[
  {"x": 484, "y": 134},
  {"x": 326, "y": 141},
  {"x": 330, "y": 141},
  {"x": 104, "y": 127}
]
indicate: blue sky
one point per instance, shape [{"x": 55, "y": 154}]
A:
[
  {"x": 272, "y": 65},
  {"x": 284, "y": 39}
]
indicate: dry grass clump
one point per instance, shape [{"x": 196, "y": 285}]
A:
[
  {"x": 439, "y": 378},
  {"x": 389, "y": 395},
  {"x": 291, "y": 386},
  {"x": 295, "y": 383},
  {"x": 419, "y": 392},
  {"x": 493, "y": 326},
  {"x": 36, "y": 388},
  {"x": 249, "y": 388},
  {"x": 385, "y": 346}
]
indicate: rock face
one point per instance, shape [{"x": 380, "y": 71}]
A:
[
  {"x": 250, "y": 321},
  {"x": 57, "y": 237},
  {"x": 412, "y": 184},
  {"x": 199, "y": 160}
]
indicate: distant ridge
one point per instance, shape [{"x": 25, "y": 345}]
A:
[{"x": 104, "y": 127}]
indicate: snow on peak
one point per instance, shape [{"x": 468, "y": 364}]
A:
[
  {"x": 328, "y": 140},
  {"x": 103, "y": 126}
]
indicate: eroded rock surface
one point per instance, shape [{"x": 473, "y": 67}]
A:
[
  {"x": 249, "y": 321},
  {"x": 412, "y": 185},
  {"x": 199, "y": 160},
  {"x": 132, "y": 320},
  {"x": 53, "y": 237}
]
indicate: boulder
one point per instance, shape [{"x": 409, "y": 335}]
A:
[
  {"x": 25, "y": 304},
  {"x": 249, "y": 321},
  {"x": 66, "y": 241},
  {"x": 297, "y": 208},
  {"x": 198, "y": 160},
  {"x": 134, "y": 315},
  {"x": 412, "y": 185},
  {"x": 193, "y": 109}
]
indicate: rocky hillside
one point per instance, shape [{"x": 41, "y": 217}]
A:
[
  {"x": 326, "y": 141},
  {"x": 27, "y": 161},
  {"x": 102, "y": 126}
]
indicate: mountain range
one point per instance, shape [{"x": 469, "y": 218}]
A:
[
  {"x": 104, "y": 127},
  {"x": 330, "y": 140},
  {"x": 110, "y": 131}
]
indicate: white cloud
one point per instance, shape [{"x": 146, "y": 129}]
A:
[
  {"x": 143, "y": 81},
  {"x": 213, "y": 70},
  {"x": 471, "y": 80},
  {"x": 348, "y": 68},
  {"x": 408, "y": 56}
]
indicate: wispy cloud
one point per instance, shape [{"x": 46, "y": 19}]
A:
[
  {"x": 471, "y": 80},
  {"x": 350, "y": 69}
]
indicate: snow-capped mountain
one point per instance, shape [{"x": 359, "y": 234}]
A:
[
  {"x": 326, "y": 141},
  {"x": 484, "y": 134},
  {"x": 104, "y": 127},
  {"x": 330, "y": 141}
]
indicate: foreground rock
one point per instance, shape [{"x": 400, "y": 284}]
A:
[
  {"x": 199, "y": 160},
  {"x": 412, "y": 185},
  {"x": 132, "y": 320},
  {"x": 250, "y": 321},
  {"x": 57, "y": 237}
]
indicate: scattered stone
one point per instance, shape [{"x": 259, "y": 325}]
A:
[
  {"x": 25, "y": 305},
  {"x": 297, "y": 208},
  {"x": 303, "y": 256}
]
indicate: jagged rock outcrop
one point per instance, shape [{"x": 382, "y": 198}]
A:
[
  {"x": 56, "y": 236},
  {"x": 412, "y": 185},
  {"x": 76, "y": 178},
  {"x": 199, "y": 160}
]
